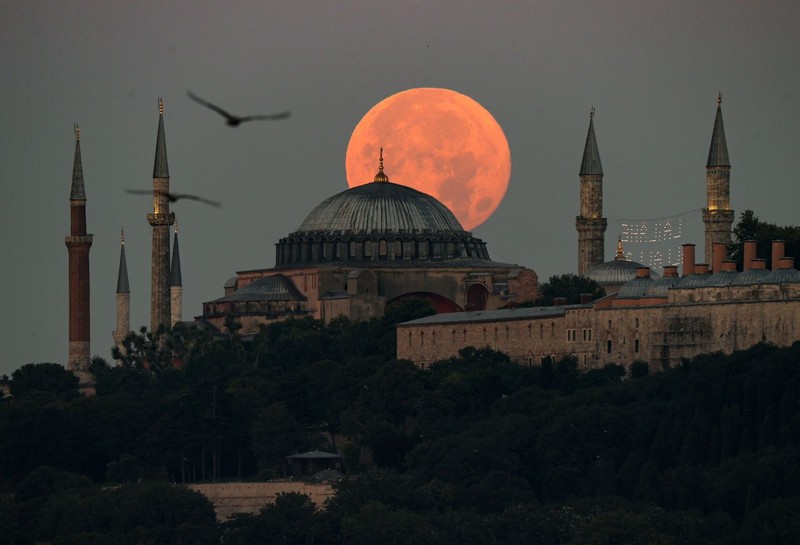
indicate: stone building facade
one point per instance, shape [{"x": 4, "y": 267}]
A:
[
  {"x": 659, "y": 321},
  {"x": 364, "y": 248}
]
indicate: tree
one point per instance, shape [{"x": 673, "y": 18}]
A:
[
  {"x": 751, "y": 228},
  {"x": 570, "y": 286},
  {"x": 44, "y": 378}
]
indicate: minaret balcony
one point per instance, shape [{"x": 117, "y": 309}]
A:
[{"x": 161, "y": 219}]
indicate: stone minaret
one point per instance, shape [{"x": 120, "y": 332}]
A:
[
  {"x": 123, "y": 298},
  {"x": 160, "y": 219},
  {"x": 717, "y": 215},
  {"x": 78, "y": 244},
  {"x": 590, "y": 223},
  {"x": 175, "y": 282}
]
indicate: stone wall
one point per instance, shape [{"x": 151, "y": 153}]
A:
[
  {"x": 234, "y": 498},
  {"x": 660, "y": 332}
]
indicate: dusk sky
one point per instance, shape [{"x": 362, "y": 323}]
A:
[{"x": 652, "y": 71}]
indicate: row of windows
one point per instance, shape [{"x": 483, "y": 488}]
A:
[
  {"x": 572, "y": 335},
  {"x": 506, "y": 333}
]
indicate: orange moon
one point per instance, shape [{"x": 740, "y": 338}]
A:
[{"x": 439, "y": 142}]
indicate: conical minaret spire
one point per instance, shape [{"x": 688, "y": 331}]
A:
[
  {"x": 591, "y": 224},
  {"x": 123, "y": 298},
  {"x": 717, "y": 215},
  {"x": 175, "y": 282},
  {"x": 78, "y": 244},
  {"x": 160, "y": 219}
]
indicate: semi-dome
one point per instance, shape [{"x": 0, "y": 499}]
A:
[{"x": 381, "y": 207}]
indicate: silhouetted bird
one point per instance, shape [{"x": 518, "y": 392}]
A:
[
  {"x": 172, "y": 197},
  {"x": 234, "y": 120}
]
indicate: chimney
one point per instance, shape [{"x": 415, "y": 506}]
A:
[
  {"x": 688, "y": 259},
  {"x": 729, "y": 265},
  {"x": 758, "y": 264},
  {"x": 585, "y": 298},
  {"x": 785, "y": 263},
  {"x": 559, "y": 301},
  {"x": 701, "y": 268},
  {"x": 778, "y": 247},
  {"x": 670, "y": 271},
  {"x": 749, "y": 254},
  {"x": 642, "y": 272},
  {"x": 718, "y": 255}
]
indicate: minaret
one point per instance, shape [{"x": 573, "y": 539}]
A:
[
  {"x": 160, "y": 219},
  {"x": 590, "y": 223},
  {"x": 123, "y": 298},
  {"x": 78, "y": 244},
  {"x": 717, "y": 215},
  {"x": 175, "y": 282}
]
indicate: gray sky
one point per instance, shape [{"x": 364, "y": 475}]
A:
[{"x": 652, "y": 70}]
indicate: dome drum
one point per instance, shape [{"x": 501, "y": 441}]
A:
[{"x": 307, "y": 249}]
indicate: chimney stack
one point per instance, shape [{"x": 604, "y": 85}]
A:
[
  {"x": 718, "y": 255},
  {"x": 729, "y": 265},
  {"x": 758, "y": 264},
  {"x": 688, "y": 259},
  {"x": 701, "y": 268},
  {"x": 642, "y": 272},
  {"x": 749, "y": 254},
  {"x": 778, "y": 247},
  {"x": 585, "y": 298},
  {"x": 785, "y": 263},
  {"x": 670, "y": 271}
]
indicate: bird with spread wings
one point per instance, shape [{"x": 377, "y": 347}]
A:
[
  {"x": 172, "y": 197},
  {"x": 235, "y": 120}
]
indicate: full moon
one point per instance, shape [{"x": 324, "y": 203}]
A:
[{"x": 439, "y": 142}]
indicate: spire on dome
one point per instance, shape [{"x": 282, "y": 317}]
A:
[
  {"x": 122, "y": 277},
  {"x": 77, "y": 192},
  {"x": 160, "y": 167},
  {"x": 620, "y": 252},
  {"x": 175, "y": 269},
  {"x": 381, "y": 176},
  {"x": 718, "y": 152},
  {"x": 590, "y": 165}
]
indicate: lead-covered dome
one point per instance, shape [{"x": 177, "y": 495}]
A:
[
  {"x": 381, "y": 208},
  {"x": 381, "y": 222}
]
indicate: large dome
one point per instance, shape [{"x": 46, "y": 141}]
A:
[
  {"x": 381, "y": 208},
  {"x": 381, "y": 222}
]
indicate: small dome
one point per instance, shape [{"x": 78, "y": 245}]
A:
[
  {"x": 269, "y": 288},
  {"x": 633, "y": 289},
  {"x": 381, "y": 207},
  {"x": 753, "y": 276},
  {"x": 694, "y": 281},
  {"x": 722, "y": 278},
  {"x": 660, "y": 286},
  {"x": 783, "y": 276},
  {"x": 617, "y": 271}
]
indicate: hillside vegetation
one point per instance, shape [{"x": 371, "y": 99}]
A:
[{"x": 474, "y": 449}]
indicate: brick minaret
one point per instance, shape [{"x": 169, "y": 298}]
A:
[
  {"x": 590, "y": 223},
  {"x": 175, "y": 282},
  {"x": 123, "y": 298},
  {"x": 78, "y": 244},
  {"x": 717, "y": 215},
  {"x": 160, "y": 219}
]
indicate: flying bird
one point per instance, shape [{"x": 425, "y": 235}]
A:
[
  {"x": 172, "y": 197},
  {"x": 235, "y": 120}
]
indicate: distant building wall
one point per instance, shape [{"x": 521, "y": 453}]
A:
[
  {"x": 233, "y": 498},
  {"x": 658, "y": 330}
]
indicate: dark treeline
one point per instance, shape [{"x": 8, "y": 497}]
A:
[{"x": 472, "y": 450}]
